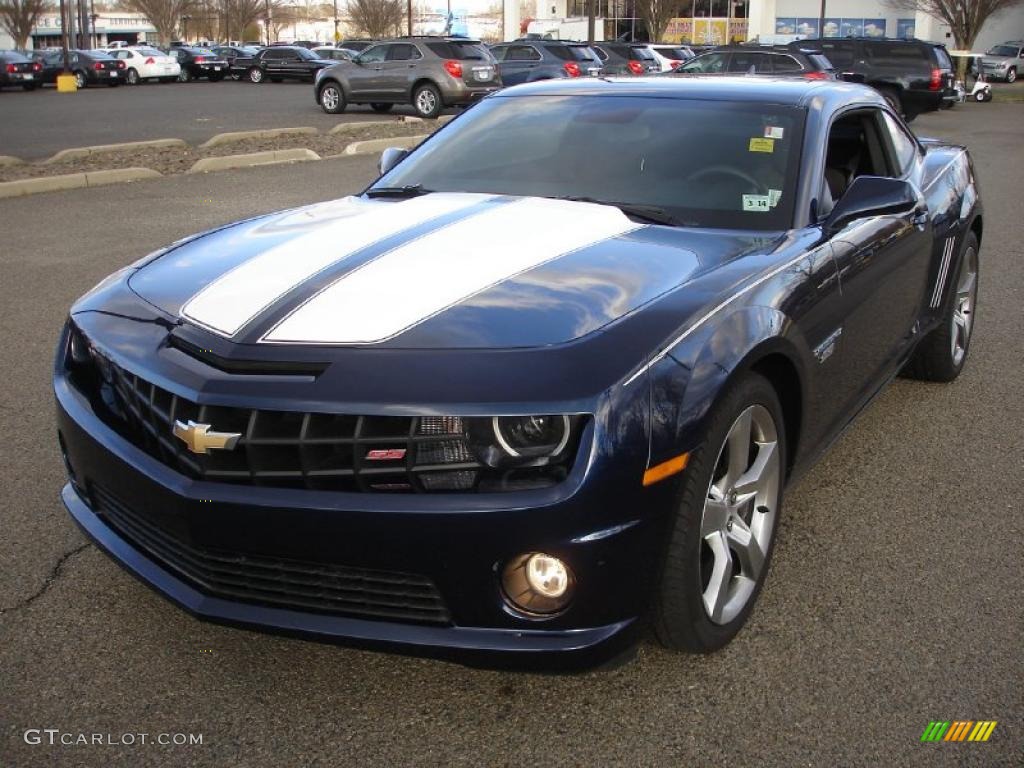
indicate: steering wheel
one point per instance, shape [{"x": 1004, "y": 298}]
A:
[{"x": 727, "y": 170}]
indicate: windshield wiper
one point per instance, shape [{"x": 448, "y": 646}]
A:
[
  {"x": 650, "y": 213},
  {"x": 409, "y": 190}
]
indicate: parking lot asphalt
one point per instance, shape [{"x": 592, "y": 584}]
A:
[
  {"x": 38, "y": 124},
  {"x": 895, "y": 596}
]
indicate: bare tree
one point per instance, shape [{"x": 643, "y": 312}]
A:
[
  {"x": 164, "y": 15},
  {"x": 656, "y": 15},
  {"x": 239, "y": 14},
  {"x": 376, "y": 18},
  {"x": 19, "y": 17},
  {"x": 964, "y": 17}
]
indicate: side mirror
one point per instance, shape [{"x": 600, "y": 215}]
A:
[
  {"x": 389, "y": 158},
  {"x": 871, "y": 196}
]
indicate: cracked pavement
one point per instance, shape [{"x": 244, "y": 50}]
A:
[{"x": 894, "y": 597}]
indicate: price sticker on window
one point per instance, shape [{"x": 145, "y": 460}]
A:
[
  {"x": 762, "y": 145},
  {"x": 758, "y": 203}
]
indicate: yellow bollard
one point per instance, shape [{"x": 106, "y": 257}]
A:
[{"x": 66, "y": 84}]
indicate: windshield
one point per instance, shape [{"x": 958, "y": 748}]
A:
[
  {"x": 1002, "y": 50},
  {"x": 705, "y": 163}
]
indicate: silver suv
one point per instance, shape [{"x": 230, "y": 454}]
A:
[
  {"x": 1005, "y": 61},
  {"x": 430, "y": 73}
]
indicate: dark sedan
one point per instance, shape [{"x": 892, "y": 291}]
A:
[
  {"x": 19, "y": 71},
  {"x": 198, "y": 63},
  {"x": 509, "y": 402},
  {"x": 88, "y": 67},
  {"x": 232, "y": 52},
  {"x": 283, "y": 62}
]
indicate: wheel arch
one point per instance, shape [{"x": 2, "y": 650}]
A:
[
  {"x": 421, "y": 81},
  {"x": 700, "y": 371}
]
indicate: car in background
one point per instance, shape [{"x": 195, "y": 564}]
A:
[
  {"x": 625, "y": 59},
  {"x": 759, "y": 60},
  {"x": 279, "y": 62},
  {"x": 232, "y": 52},
  {"x": 89, "y": 67},
  {"x": 670, "y": 56},
  {"x": 1004, "y": 61},
  {"x": 329, "y": 52},
  {"x": 146, "y": 63},
  {"x": 529, "y": 60},
  {"x": 914, "y": 76},
  {"x": 356, "y": 44},
  {"x": 19, "y": 71},
  {"x": 430, "y": 73},
  {"x": 198, "y": 63}
]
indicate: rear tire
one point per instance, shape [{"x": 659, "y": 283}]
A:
[
  {"x": 184, "y": 76},
  {"x": 426, "y": 100},
  {"x": 332, "y": 99},
  {"x": 81, "y": 81},
  {"x": 132, "y": 76},
  {"x": 381, "y": 107},
  {"x": 942, "y": 354},
  {"x": 725, "y": 522}
]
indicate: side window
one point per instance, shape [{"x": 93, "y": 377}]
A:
[
  {"x": 785, "y": 64},
  {"x": 904, "y": 147},
  {"x": 403, "y": 52},
  {"x": 744, "y": 61},
  {"x": 522, "y": 53},
  {"x": 374, "y": 55},
  {"x": 842, "y": 55},
  {"x": 601, "y": 54},
  {"x": 712, "y": 62},
  {"x": 854, "y": 149},
  {"x": 498, "y": 52}
]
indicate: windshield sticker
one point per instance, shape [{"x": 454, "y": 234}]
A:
[
  {"x": 756, "y": 203},
  {"x": 773, "y": 132},
  {"x": 773, "y": 197},
  {"x": 762, "y": 145}
]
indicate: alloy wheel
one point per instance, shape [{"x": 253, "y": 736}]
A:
[
  {"x": 963, "y": 308},
  {"x": 426, "y": 101},
  {"x": 739, "y": 514},
  {"x": 80, "y": 80},
  {"x": 329, "y": 98}
]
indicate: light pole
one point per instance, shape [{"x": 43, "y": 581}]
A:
[
  {"x": 184, "y": 27},
  {"x": 95, "y": 40},
  {"x": 821, "y": 20},
  {"x": 335, "y": 22}
]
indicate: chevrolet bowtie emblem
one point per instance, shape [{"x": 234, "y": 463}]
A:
[{"x": 199, "y": 439}]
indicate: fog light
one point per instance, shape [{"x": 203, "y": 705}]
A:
[{"x": 537, "y": 583}]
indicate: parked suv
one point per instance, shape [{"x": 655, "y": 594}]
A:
[
  {"x": 914, "y": 76},
  {"x": 526, "y": 61},
  {"x": 626, "y": 59},
  {"x": 430, "y": 73},
  {"x": 760, "y": 60},
  {"x": 1004, "y": 61}
]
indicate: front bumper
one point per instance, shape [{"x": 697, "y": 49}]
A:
[{"x": 457, "y": 542}]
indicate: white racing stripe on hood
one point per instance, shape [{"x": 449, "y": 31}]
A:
[
  {"x": 415, "y": 281},
  {"x": 238, "y": 296}
]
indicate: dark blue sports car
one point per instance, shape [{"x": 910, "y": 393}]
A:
[{"x": 546, "y": 378}]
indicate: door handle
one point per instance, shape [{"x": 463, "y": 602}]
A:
[{"x": 920, "y": 217}]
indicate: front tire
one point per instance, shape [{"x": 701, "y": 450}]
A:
[
  {"x": 942, "y": 354},
  {"x": 426, "y": 100},
  {"x": 1011, "y": 75},
  {"x": 332, "y": 99},
  {"x": 255, "y": 75},
  {"x": 725, "y": 521}
]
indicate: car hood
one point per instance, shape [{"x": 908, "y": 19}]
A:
[{"x": 436, "y": 271}]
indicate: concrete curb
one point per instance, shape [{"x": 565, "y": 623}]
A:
[
  {"x": 76, "y": 153},
  {"x": 269, "y": 133},
  {"x": 353, "y": 127},
  {"x": 375, "y": 146},
  {"x": 10, "y": 160},
  {"x": 269, "y": 157},
  {"x": 75, "y": 181},
  {"x": 414, "y": 119}
]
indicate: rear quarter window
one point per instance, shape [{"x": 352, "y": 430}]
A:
[{"x": 897, "y": 54}]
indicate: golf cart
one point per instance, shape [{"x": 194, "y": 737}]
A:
[{"x": 966, "y": 64}]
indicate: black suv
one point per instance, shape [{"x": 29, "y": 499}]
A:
[
  {"x": 280, "y": 62},
  {"x": 914, "y": 76},
  {"x": 626, "y": 59},
  {"x": 530, "y": 60},
  {"x": 803, "y": 61}
]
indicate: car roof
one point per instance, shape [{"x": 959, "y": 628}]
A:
[{"x": 762, "y": 89}]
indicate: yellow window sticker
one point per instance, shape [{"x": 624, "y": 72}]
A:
[{"x": 762, "y": 145}]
